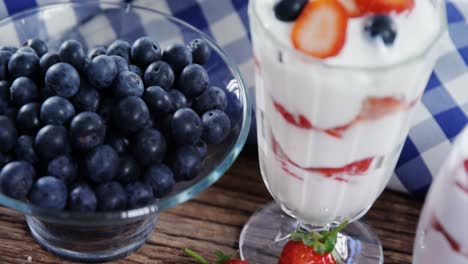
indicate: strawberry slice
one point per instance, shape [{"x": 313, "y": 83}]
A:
[
  {"x": 353, "y": 9},
  {"x": 355, "y": 168},
  {"x": 320, "y": 30},
  {"x": 374, "y": 108},
  {"x": 385, "y": 6}
]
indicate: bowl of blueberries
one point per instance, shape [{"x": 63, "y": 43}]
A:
[{"x": 111, "y": 113}]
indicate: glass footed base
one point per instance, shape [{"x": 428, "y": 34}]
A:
[
  {"x": 92, "y": 244},
  {"x": 267, "y": 231}
]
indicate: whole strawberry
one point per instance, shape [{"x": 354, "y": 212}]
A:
[
  {"x": 222, "y": 258},
  {"x": 311, "y": 248}
]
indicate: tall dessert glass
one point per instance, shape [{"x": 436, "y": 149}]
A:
[
  {"x": 330, "y": 131},
  {"x": 442, "y": 236}
]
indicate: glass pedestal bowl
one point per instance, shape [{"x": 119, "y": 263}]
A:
[{"x": 97, "y": 237}]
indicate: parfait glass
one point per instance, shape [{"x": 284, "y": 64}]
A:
[
  {"x": 319, "y": 176},
  {"x": 442, "y": 236}
]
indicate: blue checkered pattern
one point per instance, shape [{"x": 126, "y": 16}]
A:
[{"x": 438, "y": 119}]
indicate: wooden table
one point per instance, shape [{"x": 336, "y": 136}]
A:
[{"x": 214, "y": 219}]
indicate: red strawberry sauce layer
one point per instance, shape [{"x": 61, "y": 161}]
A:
[
  {"x": 463, "y": 186},
  {"x": 372, "y": 108},
  {"x": 352, "y": 169},
  {"x": 452, "y": 242}
]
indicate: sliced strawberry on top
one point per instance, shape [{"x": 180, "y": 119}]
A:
[
  {"x": 385, "y": 6},
  {"x": 353, "y": 9},
  {"x": 320, "y": 30}
]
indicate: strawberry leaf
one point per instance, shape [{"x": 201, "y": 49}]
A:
[
  {"x": 222, "y": 258},
  {"x": 319, "y": 248},
  {"x": 323, "y": 242},
  {"x": 196, "y": 256},
  {"x": 330, "y": 244},
  {"x": 299, "y": 235},
  {"x": 308, "y": 242}
]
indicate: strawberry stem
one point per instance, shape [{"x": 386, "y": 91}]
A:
[
  {"x": 339, "y": 228},
  {"x": 195, "y": 255}
]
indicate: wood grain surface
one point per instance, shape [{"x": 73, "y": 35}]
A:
[{"x": 214, "y": 219}]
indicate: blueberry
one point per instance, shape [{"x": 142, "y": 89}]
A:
[
  {"x": 145, "y": 51},
  {"x": 200, "y": 49},
  {"x": 28, "y": 118},
  {"x": 135, "y": 69},
  {"x": 64, "y": 168},
  {"x": 24, "y": 149},
  {"x": 4, "y": 91},
  {"x": 4, "y": 59},
  {"x": 139, "y": 195},
  {"x": 96, "y": 51},
  {"x": 234, "y": 109},
  {"x": 216, "y": 126},
  {"x": 106, "y": 108},
  {"x": 23, "y": 90},
  {"x": 46, "y": 92},
  {"x": 121, "y": 63},
  {"x": 4, "y": 160},
  {"x": 186, "y": 163},
  {"x": 128, "y": 170},
  {"x": 212, "y": 98},
  {"x": 101, "y": 71},
  {"x": 39, "y": 46},
  {"x": 178, "y": 100},
  {"x": 150, "y": 123},
  {"x": 63, "y": 79},
  {"x": 193, "y": 80},
  {"x": 9, "y": 48},
  {"x": 161, "y": 180},
  {"x": 178, "y": 56},
  {"x": 72, "y": 52},
  {"x": 111, "y": 196},
  {"x": 128, "y": 83},
  {"x": 120, "y": 48},
  {"x": 158, "y": 100},
  {"x": 48, "y": 60},
  {"x": 57, "y": 110},
  {"x": 16, "y": 179},
  {"x": 202, "y": 148},
  {"x": 82, "y": 199},
  {"x": 28, "y": 50},
  {"x": 8, "y": 134},
  {"x": 119, "y": 143},
  {"x": 149, "y": 146},
  {"x": 289, "y": 10},
  {"x": 164, "y": 125},
  {"x": 186, "y": 126},
  {"x": 87, "y": 130},
  {"x": 10, "y": 111},
  {"x": 383, "y": 27},
  {"x": 131, "y": 114},
  {"x": 4, "y": 104},
  {"x": 50, "y": 193},
  {"x": 52, "y": 141},
  {"x": 159, "y": 73},
  {"x": 87, "y": 98},
  {"x": 101, "y": 163}
]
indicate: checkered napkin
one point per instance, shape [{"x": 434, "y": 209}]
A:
[{"x": 437, "y": 120}]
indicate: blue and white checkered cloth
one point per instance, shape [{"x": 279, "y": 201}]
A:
[{"x": 438, "y": 119}]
